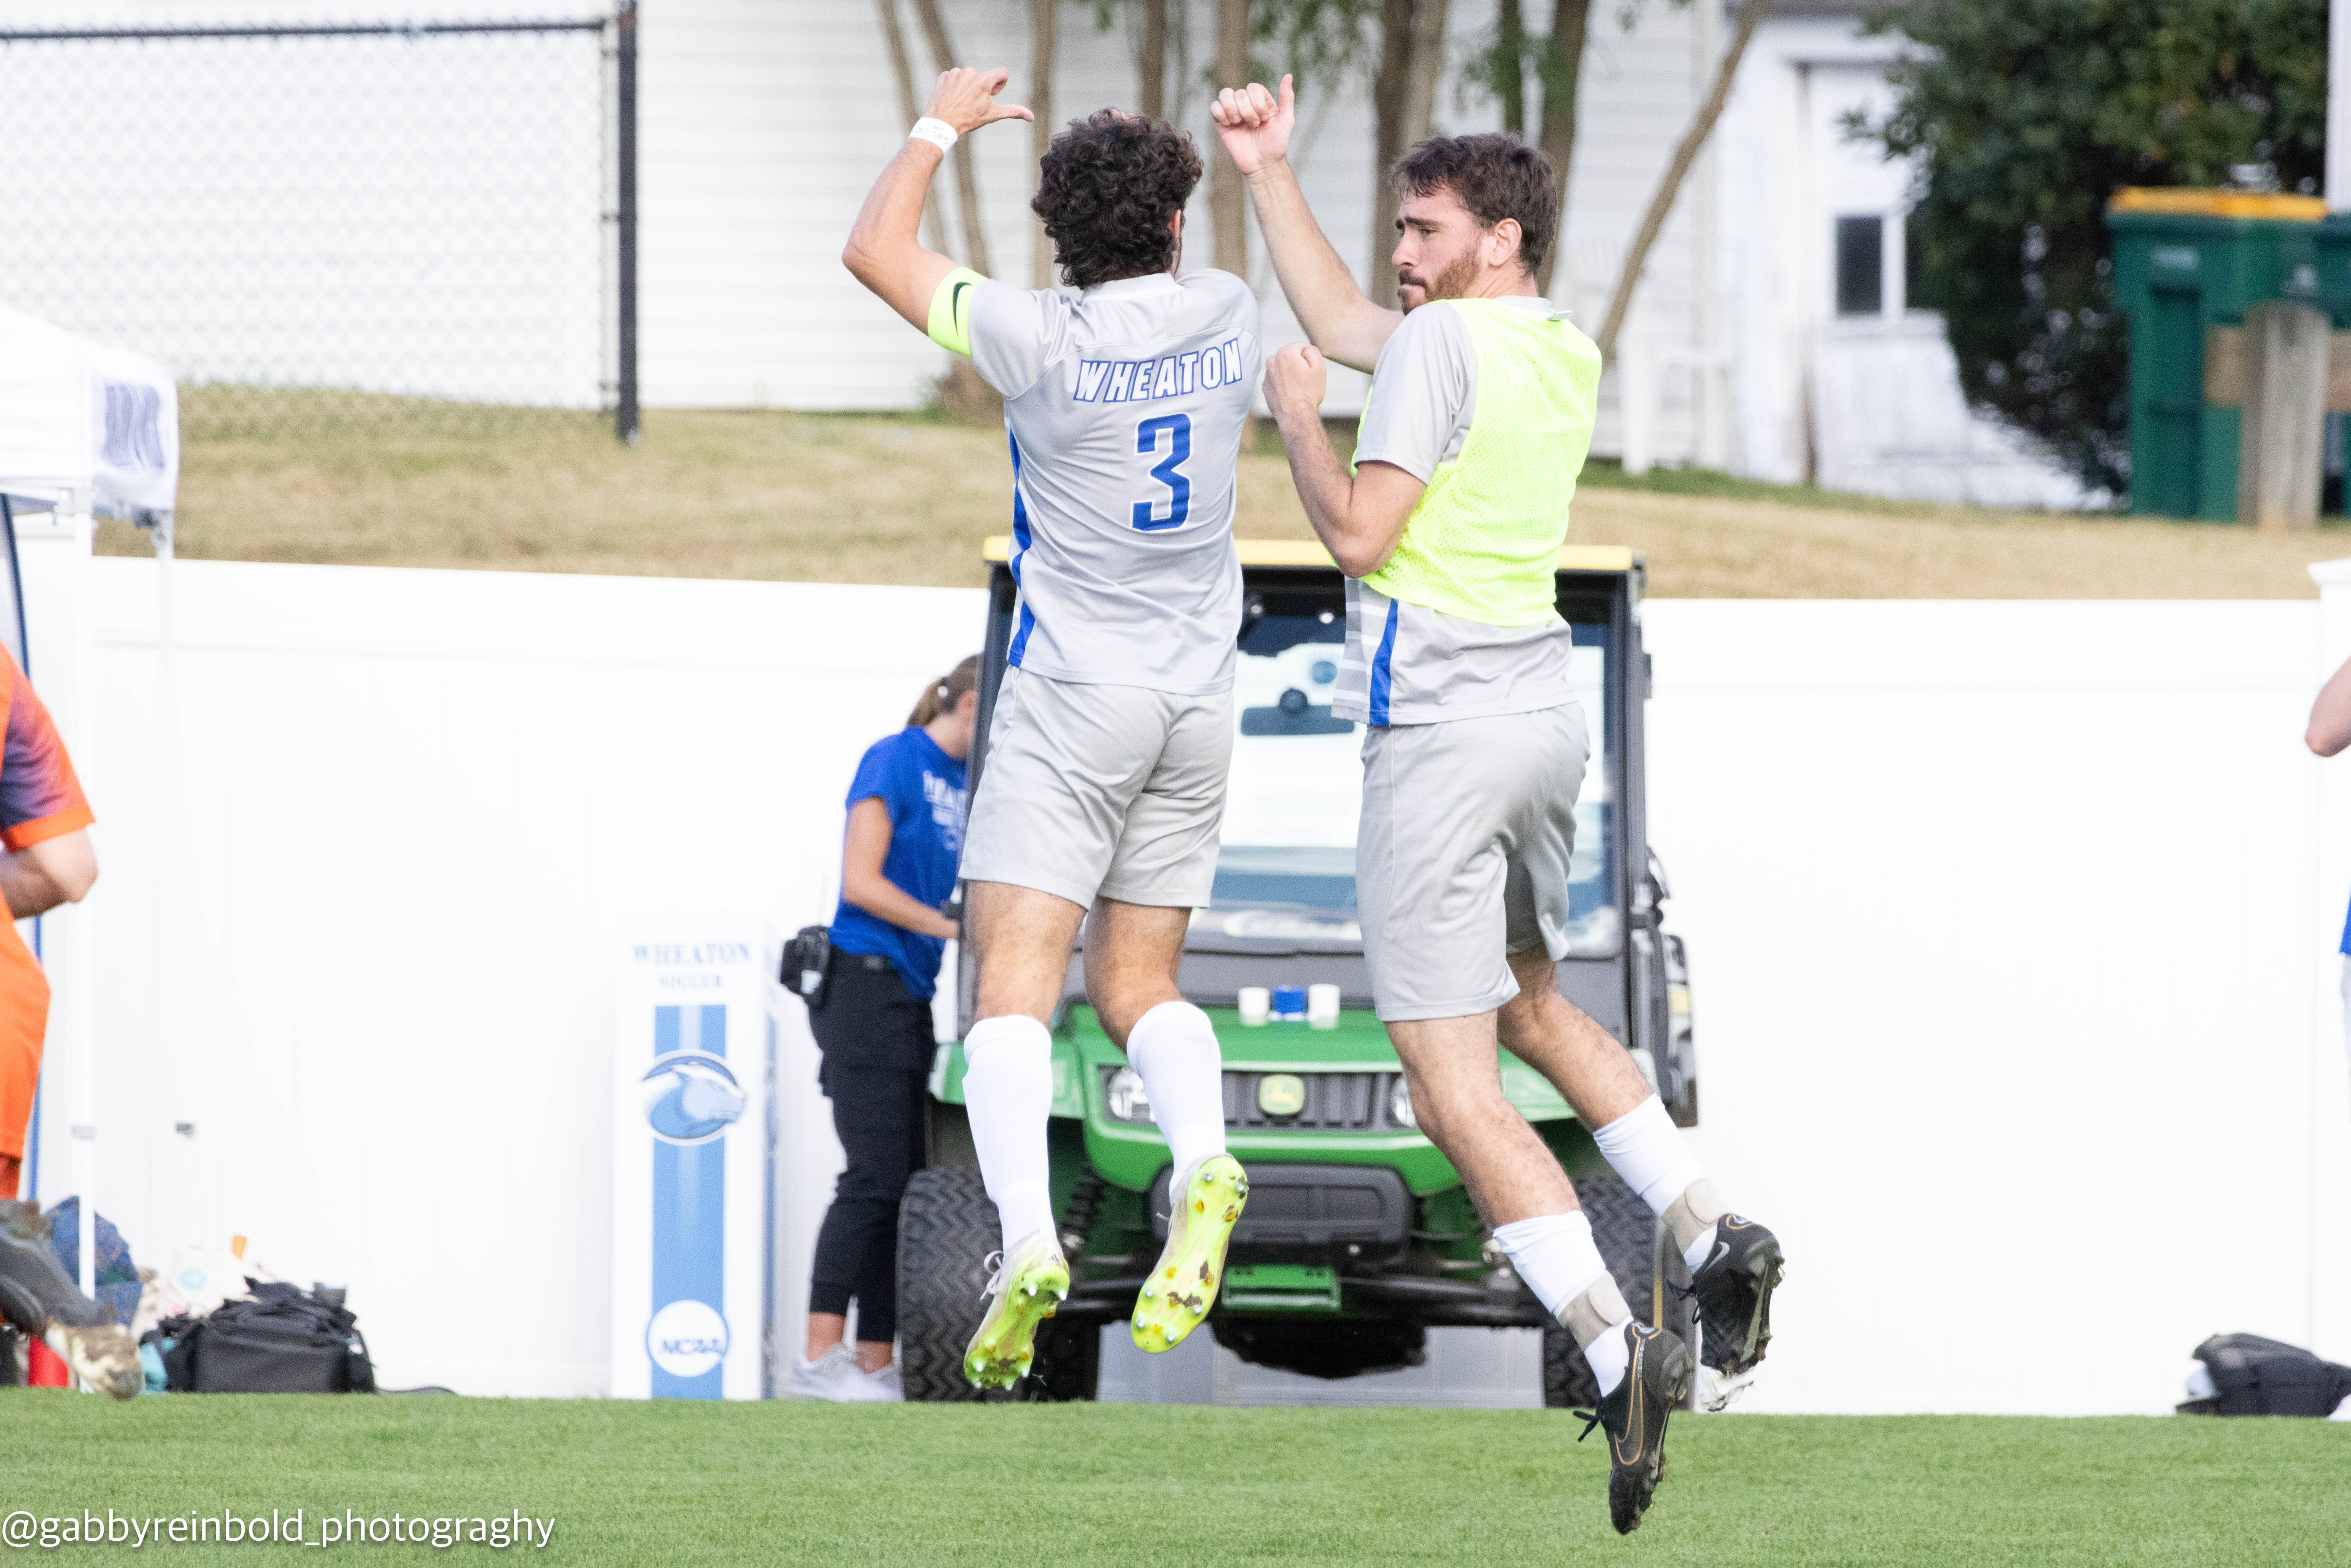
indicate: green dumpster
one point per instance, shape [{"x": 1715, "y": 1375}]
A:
[{"x": 2188, "y": 263}]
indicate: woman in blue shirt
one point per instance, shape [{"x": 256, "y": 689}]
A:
[{"x": 906, "y": 810}]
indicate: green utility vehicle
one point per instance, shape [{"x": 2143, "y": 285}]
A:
[{"x": 1358, "y": 1236}]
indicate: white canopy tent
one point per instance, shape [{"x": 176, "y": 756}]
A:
[
  {"x": 86, "y": 430},
  {"x": 83, "y": 421}
]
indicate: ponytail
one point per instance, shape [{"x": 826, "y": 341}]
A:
[{"x": 944, "y": 693}]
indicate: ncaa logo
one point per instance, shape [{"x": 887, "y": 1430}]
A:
[
  {"x": 690, "y": 1098},
  {"x": 686, "y": 1338}
]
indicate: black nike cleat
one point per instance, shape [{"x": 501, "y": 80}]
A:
[
  {"x": 1633, "y": 1416},
  {"x": 1734, "y": 1288}
]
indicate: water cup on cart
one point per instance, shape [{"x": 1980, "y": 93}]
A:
[
  {"x": 1289, "y": 1004},
  {"x": 1323, "y": 1007},
  {"x": 1255, "y": 1000}
]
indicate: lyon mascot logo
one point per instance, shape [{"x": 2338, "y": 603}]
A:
[{"x": 690, "y": 1098}]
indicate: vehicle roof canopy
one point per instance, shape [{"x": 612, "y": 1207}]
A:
[{"x": 1306, "y": 552}]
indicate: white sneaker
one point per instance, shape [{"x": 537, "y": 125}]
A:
[{"x": 834, "y": 1376}]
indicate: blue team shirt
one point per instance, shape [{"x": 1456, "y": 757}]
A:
[{"x": 923, "y": 789}]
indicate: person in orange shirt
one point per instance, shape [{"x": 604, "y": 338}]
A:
[{"x": 45, "y": 831}]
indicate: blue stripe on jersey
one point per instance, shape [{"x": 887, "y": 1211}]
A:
[
  {"x": 1019, "y": 508},
  {"x": 1383, "y": 665},
  {"x": 1019, "y": 549}
]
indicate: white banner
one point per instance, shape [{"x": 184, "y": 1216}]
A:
[{"x": 693, "y": 1161}]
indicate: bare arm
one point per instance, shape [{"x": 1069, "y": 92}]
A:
[
  {"x": 885, "y": 248},
  {"x": 1360, "y": 518},
  {"x": 39, "y": 877},
  {"x": 862, "y": 883},
  {"x": 1341, "y": 322},
  {"x": 2330, "y": 716}
]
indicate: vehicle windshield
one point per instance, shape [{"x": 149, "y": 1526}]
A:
[{"x": 1287, "y": 867}]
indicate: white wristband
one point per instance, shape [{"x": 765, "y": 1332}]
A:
[{"x": 937, "y": 132}]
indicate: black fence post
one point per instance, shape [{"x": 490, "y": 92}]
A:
[{"x": 626, "y": 423}]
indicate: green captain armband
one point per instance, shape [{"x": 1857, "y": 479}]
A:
[{"x": 951, "y": 309}]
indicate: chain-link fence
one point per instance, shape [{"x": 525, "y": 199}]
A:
[{"x": 333, "y": 230}]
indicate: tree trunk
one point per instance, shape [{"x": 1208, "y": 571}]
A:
[
  {"x": 1560, "y": 66},
  {"x": 1404, "y": 98},
  {"x": 1427, "y": 62},
  {"x": 1228, "y": 192},
  {"x": 911, "y": 107},
  {"x": 1151, "y": 61},
  {"x": 1044, "y": 34},
  {"x": 1511, "y": 81},
  {"x": 1389, "y": 85},
  {"x": 974, "y": 234},
  {"x": 1749, "y": 13}
]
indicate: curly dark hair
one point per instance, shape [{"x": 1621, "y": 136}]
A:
[
  {"x": 1107, "y": 189},
  {"x": 1496, "y": 177}
]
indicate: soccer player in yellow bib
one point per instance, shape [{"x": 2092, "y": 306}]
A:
[{"x": 1449, "y": 526}]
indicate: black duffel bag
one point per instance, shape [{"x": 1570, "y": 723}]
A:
[
  {"x": 2257, "y": 1376},
  {"x": 284, "y": 1341}
]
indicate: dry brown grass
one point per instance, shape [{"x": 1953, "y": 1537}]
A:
[{"x": 846, "y": 498}]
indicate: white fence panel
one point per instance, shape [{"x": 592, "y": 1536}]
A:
[
  {"x": 2009, "y": 937},
  {"x": 423, "y": 809}
]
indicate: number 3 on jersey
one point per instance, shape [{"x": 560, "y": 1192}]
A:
[{"x": 1168, "y": 470}]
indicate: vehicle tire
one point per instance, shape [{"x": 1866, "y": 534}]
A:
[
  {"x": 946, "y": 1228},
  {"x": 1626, "y": 1232},
  {"x": 1068, "y": 1364}
]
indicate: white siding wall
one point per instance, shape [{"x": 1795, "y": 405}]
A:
[{"x": 766, "y": 122}]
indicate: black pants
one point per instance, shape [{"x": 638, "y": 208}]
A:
[{"x": 877, "y": 1040}]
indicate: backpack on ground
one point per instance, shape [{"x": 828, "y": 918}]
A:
[
  {"x": 2256, "y": 1376},
  {"x": 286, "y": 1340}
]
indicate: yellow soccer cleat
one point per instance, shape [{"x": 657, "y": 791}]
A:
[
  {"x": 1028, "y": 1287},
  {"x": 1183, "y": 1286}
]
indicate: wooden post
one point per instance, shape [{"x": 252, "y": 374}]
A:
[
  {"x": 1228, "y": 192},
  {"x": 2283, "y": 447},
  {"x": 1044, "y": 35}
]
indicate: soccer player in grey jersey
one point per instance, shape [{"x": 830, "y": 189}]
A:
[
  {"x": 1104, "y": 782},
  {"x": 1448, "y": 524}
]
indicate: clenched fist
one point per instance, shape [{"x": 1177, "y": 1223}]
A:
[
  {"x": 1255, "y": 128},
  {"x": 1295, "y": 379}
]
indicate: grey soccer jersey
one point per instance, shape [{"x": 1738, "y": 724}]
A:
[{"x": 1125, "y": 405}]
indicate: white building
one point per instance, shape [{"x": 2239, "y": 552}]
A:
[
  {"x": 763, "y": 122},
  {"x": 766, "y": 123}
]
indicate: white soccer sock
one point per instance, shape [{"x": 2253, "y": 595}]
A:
[
  {"x": 1610, "y": 1358},
  {"x": 1554, "y": 1254},
  {"x": 1173, "y": 1048},
  {"x": 1007, "y": 1091},
  {"x": 1655, "y": 1160}
]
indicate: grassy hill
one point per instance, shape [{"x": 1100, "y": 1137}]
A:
[{"x": 860, "y": 498}]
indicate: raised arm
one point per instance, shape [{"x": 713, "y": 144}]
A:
[
  {"x": 885, "y": 248},
  {"x": 1322, "y": 293}
]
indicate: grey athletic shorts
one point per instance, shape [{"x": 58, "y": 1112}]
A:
[
  {"x": 1090, "y": 791},
  {"x": 1462, "y": 855}
]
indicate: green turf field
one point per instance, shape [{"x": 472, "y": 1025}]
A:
[{"x": 1200, "y": 1488}]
